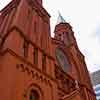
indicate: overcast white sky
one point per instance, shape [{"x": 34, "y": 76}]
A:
[{"x": 84, "y": 16}]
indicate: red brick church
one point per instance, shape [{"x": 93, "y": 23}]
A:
[{"x": 35, "y": 66}]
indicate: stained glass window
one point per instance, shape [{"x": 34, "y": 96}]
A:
[{"x": 62, "y": 59}]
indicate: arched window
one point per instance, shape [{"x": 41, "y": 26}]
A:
[
  {"x": 33, "y": 95},
  {"x": 62, "y": 60}
]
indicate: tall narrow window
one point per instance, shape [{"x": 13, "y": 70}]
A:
[
  {"x": 33, "y": 95},
  {"x": 35, "y": 27},
  {"x": 66, "y": 38},
  {"x": 44, "y": 63},
  {"x": 25, "y": 47},
  {"x": 59, "y": 36},
  {"x": 35, "y": 56},
  {"x": 62, "y": 37}
]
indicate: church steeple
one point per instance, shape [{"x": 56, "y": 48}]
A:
[
  {"x": 60, "y": 19},
  {"x": 63, "y": 32}
]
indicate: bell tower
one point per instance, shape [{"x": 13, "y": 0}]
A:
[{"x": 63, "y": 32}]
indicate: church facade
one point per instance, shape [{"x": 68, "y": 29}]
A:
[{"x": 35, "y": 66}]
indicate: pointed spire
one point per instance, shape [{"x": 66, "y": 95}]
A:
[{"x": 60, "y": 19}]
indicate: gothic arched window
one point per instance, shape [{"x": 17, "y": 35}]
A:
[
  {"x": 62, "y": 60},
  {"x": 33, "y": 95}
]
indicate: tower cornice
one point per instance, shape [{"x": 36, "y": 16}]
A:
[{"x": 59, "y": 26}]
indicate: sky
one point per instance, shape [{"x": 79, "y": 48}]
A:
[{"x": 84, "y": 17}]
